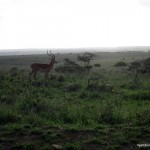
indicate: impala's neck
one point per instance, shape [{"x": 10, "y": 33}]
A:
[{"x": 51, "y": 64}]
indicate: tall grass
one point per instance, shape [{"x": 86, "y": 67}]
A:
[{"x": 70, "y": 101}]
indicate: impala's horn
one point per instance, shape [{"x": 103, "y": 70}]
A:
[
  {"x": 52, "y": 54},
  {"x": 49, "y": 54}
]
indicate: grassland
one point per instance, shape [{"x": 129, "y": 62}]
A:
[{"x": 64, "y": 110}]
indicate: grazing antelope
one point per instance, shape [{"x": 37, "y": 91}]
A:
[{"x": 45, "y": 68}]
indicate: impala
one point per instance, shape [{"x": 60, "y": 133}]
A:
[{"x": 45, "y": 68}]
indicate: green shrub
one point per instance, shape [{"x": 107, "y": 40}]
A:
[
  {"x": 107, "y": 116},
  {"x": 143, "y": 117},
  {"x": 136, "y": 95},
  {"x": 97, "y": 65},
  {"x": 71, "y": 146},
  {"x": 61, "y": 78},
  {"x": 53, "y": 77},
  {"x": 34, "y": 119},
  {"x": 120, "y": 64},
  {"x": 7, "y": 115},
  {"x": 23, "y": 146},
  {"x": 73, "y": 87},
  {"x": 93, "y": 87},
  {"x": 110, "y": 112},
  {"x": 83, "y": 94},
  {"x": 14, "y": 71},
  {"x": 106, "y": 87},
  {"x": 28, "y": 106}
]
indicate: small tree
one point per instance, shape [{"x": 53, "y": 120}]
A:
[
  {"x": 135, "y": 67},
  {"x": 86, "y": 58},
  {"x": 88, "y": 68},
  {"x": 146, "y": 65}
]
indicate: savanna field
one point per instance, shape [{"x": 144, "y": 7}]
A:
[{"x": 102, "y": 106}]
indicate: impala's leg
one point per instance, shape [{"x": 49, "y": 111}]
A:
[
  {"x": 35, "y": 75},
  {"x": 30, "y": 75},
  {"x": 46, "y": 75}
]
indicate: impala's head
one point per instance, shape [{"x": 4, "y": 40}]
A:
[{"x": 52, "y": 57}]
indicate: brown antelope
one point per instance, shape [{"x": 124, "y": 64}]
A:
[{"x": 45, "y": 68}]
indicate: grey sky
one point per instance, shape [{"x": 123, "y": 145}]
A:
[
  {"x": 145, "y": 3},
  {"x": 74, "y": 23}
]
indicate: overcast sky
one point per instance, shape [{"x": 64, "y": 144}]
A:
[{"x": 74, "y": 23}]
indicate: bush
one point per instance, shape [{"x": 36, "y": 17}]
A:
[
  {"x": 83, "y": 94},
  {"x": 61, "y": 78},
  {"x": 107, "y": 114},
  {"x": 106, "y": 87},
  {"x": 33, "y": 106},
  {"x": 88, "y": 67},
  {"x": 120, "y": 64},
  {"x": 110, "y": 113},
  {"x": 53, "y": 77},
  {"x": 93, "y": 87},
  {"x": 69, "y": 67},
  {"x": 146, "y": 64},
  {"x": 71, "y": 146},
  {"x": 143, "y": 117},
  {"x": 14, "y": 71},
  {"x": 73, "y": 87},
  {"x": 7, "y": 116},
  {"x": 101, "y": 88},
  {"x": 97, "y": 65},
  {"x": 136, "y": 95}
]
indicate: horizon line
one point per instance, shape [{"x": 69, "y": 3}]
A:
[{"x": 67, "y": 48}]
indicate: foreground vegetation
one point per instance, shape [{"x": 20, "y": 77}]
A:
[{"x": 109, "y": 112}]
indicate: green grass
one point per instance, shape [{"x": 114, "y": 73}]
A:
[{"x": 110, "y": 114}]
